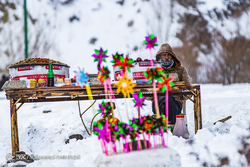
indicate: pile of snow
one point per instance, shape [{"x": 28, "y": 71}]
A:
[{"x": 43, "y": 134}]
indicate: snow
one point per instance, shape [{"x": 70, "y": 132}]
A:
[
  {"x": 211, "y": 4},
  {"x": 43, "y": 134},
  {"x": 161, "y": 157}
]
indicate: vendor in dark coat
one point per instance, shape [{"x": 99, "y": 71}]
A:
[{"x": 171, "y": 65}]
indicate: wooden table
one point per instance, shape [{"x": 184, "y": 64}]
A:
[{"x": 72, "y": 93}]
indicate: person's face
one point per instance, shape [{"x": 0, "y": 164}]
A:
[{"x": 165, "y": 56}]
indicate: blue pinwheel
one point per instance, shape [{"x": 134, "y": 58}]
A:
[{"x": 82, "y": 78}]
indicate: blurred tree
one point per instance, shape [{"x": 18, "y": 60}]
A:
[
  {"x": 233, "y": 59},
  {"x": 188, "y": 3},
  {"x": 189, "y": 59},
  {"x": 196, "y": 39},
  {"x": 40, "y": 36},
  {"x": 160, "y": 18}
]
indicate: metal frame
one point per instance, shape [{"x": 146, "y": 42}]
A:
[{"x": 69, "y": 93}]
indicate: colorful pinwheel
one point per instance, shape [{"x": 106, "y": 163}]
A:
[
  {"x": 82, "y": 78},
  {"x": 113, "y": 130},
  {"x": 116, "y": 57},
  {"x": 103, "y": 74},
  {"x": 150, "y": 41},
  {"x": 166, "y": 82},
  {"x": 154, "y": 73},
  {"x": 139, "y": 100},
  {"x": 125, "y": 86},
  {"x": 100, "y": 55},
  {"x": 122, "y": 63},
  {"x": 104, "y": 109}
]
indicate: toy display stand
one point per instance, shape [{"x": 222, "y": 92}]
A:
[{"x": 75, "y": 93}]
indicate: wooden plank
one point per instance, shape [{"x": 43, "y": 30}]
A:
[
  {"x": 100, "y": 96},
  {"x": 14, "y": 128},
  {"x": 77, "y": 91},
  {"x": 199, "y": 108},
  {"x": 148, "y": 92},
  {"x": 62, "y": 88},
  {"x": 195, "y": 114}
]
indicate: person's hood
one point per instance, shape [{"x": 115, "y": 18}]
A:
[{"x": 166, "y": 48}]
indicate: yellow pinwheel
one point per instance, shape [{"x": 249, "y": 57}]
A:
[{"x": 125, "y": 86}]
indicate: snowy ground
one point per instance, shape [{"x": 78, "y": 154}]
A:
[{"x": 45, "y": 134}]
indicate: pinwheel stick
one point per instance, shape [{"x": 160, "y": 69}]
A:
[
  {"x": 138, "y": 143},
  {"x": 89, "y": 92},
  {"x": 144, "y": 139},
  {"x": 139, "y": 114},
  {"x": 162, "y": 136},
  {"x": 110, "y": 88},
  {"x": 121, "y": 73},
  {"x": 105, "y": 147},
  {"x": 149, "y": 145},
  {"x": 110, "y": 143},
  {"x": 112, "y": 106},
  {"x": 156, "y": 100},
  {"x": 151, "y": 58},
  {"x": 105, "y": 89},
  {"x": 166, "y": 95},
  {"x": 130, "y": 145},
  {"x": 155, "y": 141}
]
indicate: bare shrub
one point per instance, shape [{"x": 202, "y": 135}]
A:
[
  {"x": 40, "y": 36},
  {"x": 232, "y": 62},
  {"x": 188, "y": 56}
]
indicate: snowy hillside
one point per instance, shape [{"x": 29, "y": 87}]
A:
[
  {"x": 76, "y": 29},
  {"x": 44, "y": 134}
]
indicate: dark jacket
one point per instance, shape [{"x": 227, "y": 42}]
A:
[{"x": 176, "y": 68}]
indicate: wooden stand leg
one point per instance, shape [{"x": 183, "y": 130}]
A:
[
  {"x": 195, "y": 114},
  {"x": 14, "y": 128},
  {"x": 199, "y": 108}
]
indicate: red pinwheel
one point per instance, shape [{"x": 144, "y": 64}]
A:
[
  {"x": 100, "y": 56},
  {"x": 122, "y": 63},
  {"x": 154, "y": 73},
  {"x": 166, "y": 82},
  {"x": 103, "y": 74},
  {"x": 116, "y": 57},
  {"x": 150, "y": 41}
]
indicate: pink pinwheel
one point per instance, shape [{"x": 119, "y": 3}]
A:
[
  {"x": 150, "y": 41},
  {"x": 100, "y": 56},
  {"x": 104, "y": 109},
  {"x": 139, "y": 100}
]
